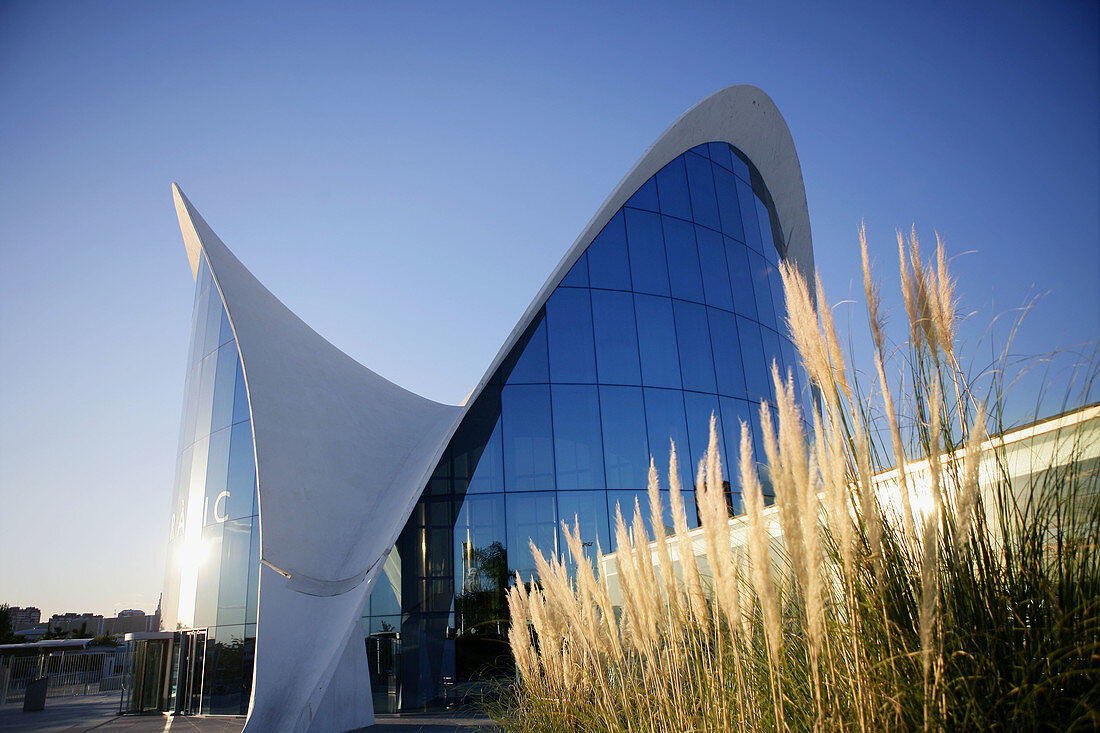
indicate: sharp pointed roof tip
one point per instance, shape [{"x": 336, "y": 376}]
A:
[{"x": 191, "y": 242}]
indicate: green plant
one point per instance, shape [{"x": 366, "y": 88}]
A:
[{"x": 960, "y": 592}]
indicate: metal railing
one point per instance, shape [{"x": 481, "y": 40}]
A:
[{"x": 70, "y": 673}]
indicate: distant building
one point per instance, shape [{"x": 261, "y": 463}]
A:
[
  {"x": 80, "y": 623},
  {"x": 24, "y": 618},
  {"x": 131, "y": 621}
]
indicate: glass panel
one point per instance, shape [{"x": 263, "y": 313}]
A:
[
  {"x": 657, "y": 341},
  {"x": 481, "y": 565},
  {"x": 699, "y": 408},
  {"x": 569, "y": 330},
  {"x": 607, "y": 258},
  {"x": 206, "y": 592},
  {"x": 693, "y": 336},
  {"x": 735, "y": 412},
  {"x": 673, "y": 191},
  {"x": 704, "y": 206},
  {"x": 726, "y": 347},
  {"x": 769, "y": 339},
  {"x": 720, "y": 154},
  {"x": 578, "y": 273},
  {"x": 233, "y": 587},
  {"x": 748, "y": 215},
  {"x": 725, "y": 186},
  {"x": 241, "y": 481},
  {"x": 664, "y": 412},
  {"x": 712, "y": 263},
  {"x": 757, "y": 378},
  {"x": 589, "y": 510},
  {"x": 765, "y": 310},
  {"x": 647, "y": 252},
  {"x": 205, "y": 401},
  {"x": 744, "y": 295},
  {"x": 532, "y": 366},
  {"x": 645, "y": 197},
  {"x": 616, "y": 337},
  {"x": 626, "y": 449},
  {"x": 683, "y": 260},
  {"x": 217, "y": 469},
  {"x": 225, "y": 382},
  {"x": 527, "y": 438},
  {"x": 488, "y": 475},
  {"x": 578, "y": 450},
  {"x": 530, "y": 517},
  {"x": 214, "y": 315}
]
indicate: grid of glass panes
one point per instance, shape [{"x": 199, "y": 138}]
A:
[
  {"x": 213, "y": 550},
  {"x": 672, "y": 314}
]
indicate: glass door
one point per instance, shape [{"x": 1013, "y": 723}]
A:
[{"x": 189, "y": 686}]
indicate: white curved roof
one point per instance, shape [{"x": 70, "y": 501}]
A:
[{"x": 340, "y": 451}]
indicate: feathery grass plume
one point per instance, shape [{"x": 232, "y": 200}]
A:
[
  {"x": 519, "y": 635},
  {"x": 871, "y": 293},
  {"x": 924, "y": 291},
  {"x": 968, "y": 492},
  {"x": 688, "y": 567},
  {"x": 714, "y": 514},
  {"x": 669, "y": 585},
  {"x": 929, "y": 593},
  {"x": 898, "y": 448},
  {"x": 787, "y": 495},
  {"x": 761, "y": 561},
  {"x": 802, "y": 323},
  {"x": 945, "y": 302},
  {"x": 832, "y": 343}
]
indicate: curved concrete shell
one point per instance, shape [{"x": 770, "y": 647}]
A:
[{"x": 342, "y": 454}]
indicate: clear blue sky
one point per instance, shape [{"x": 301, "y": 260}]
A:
[{"x": 404, "y": 176}]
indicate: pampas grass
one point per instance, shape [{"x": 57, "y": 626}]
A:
[{"x": 954, "y": 592}]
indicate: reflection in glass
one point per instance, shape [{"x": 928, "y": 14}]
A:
[
  {"x": 531, "y": 517},
  {"x": 588, "y": 510}
]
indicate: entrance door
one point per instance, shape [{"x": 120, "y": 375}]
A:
[{"x": 192, "y": 647}]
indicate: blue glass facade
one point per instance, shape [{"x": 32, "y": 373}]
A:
[
  {"x": 672, "y": 314},
  {"x": 212, "y": 571}
]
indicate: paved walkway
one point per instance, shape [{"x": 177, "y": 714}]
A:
[{"x": 99, "y": 713}]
